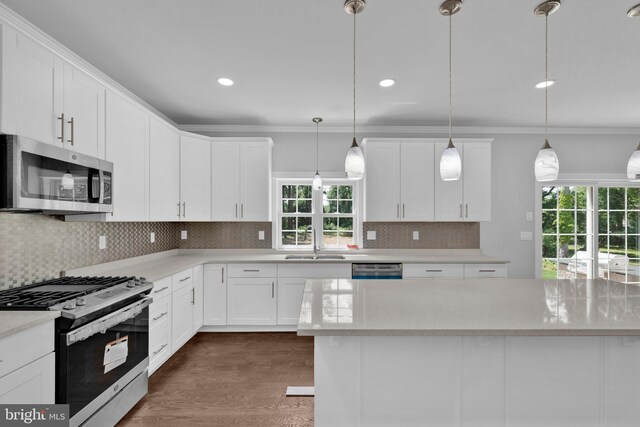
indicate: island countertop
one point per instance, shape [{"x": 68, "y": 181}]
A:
[{"x": 469, "y": 307}]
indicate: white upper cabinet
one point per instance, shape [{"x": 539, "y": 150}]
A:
[
  {"x": 164, "y": 172},
  {"x": 241, "y": 179},
  {"x": 399, "y": 180},
  {"x": 48, "y": 99},
  {"x": 195, "y": 178},
  {"x": 127, "y": 146},
  {"x": 469, "y": 198}
]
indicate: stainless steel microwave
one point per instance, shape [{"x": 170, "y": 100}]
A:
[{"x": 41, "y": 177}]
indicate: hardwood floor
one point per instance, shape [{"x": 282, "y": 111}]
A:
[{"x": 230, "y": 379}]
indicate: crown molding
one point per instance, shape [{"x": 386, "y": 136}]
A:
[{"x": 396, "y": 130}]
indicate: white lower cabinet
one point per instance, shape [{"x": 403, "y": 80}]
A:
[
  {"x": 485, "y": 270},
  {"x": 27, "y": 376},
  {"x": 183, "y": 301},
  {"x": 198, "y": 298},
  {"x": 251, "y": 301},
  {"x": 160, "y": 314},
  {"x": 453, "y": 271},
  {"x": 215, "y": 295}
]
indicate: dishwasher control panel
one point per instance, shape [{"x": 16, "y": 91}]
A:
[{"x": 376, "y": 271}]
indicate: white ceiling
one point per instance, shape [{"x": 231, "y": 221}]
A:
[{"x": 292, "y": 59}]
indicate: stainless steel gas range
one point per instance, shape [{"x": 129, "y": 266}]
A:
[{"x": 102, "y": 342}]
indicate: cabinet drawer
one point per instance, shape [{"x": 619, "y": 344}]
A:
[
  {"x": 315, "y": 271},
  {"x": 159, "y": 347},
  {"x": 252, "y": 270},
  {"x": 161, "y": 288},
  {"x": 33, "y": 383},
  {"x": 26, "y": 346},
  {"x": 485, "y": 270},
  {"x": 432, "y": 270},
  {"x": 159, "y": 312},
  {"x": 182, "y": 279}
]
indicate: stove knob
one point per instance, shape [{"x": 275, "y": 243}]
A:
[
  {"x": 70, "y": 305},
  {"x": 143, "y": 279},
  {"x": 131, "y": 284},
  {"x": 81, "y": 301}
]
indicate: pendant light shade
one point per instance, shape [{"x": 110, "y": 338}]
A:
[
  {"x": 354, "y": 163},
  {"x": 317, "y": 179},
  {"x": 450, "y": 163},
  {"x": 546, "y": 166},
  {"x": 633, "y": 167}
]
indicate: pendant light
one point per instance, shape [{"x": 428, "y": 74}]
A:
[
  {"x": 450, "y": 162},
  {"x": 354, "y": 163},
  {"x": 633, "y": 167},
  {"x": 317, "y": 180},
  {"x": 546, "y": 166}
]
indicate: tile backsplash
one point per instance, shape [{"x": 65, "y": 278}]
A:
[
  {"x": 432, "y": 235},
  {"x": 226, "y": 235}
]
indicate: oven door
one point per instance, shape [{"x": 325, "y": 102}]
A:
[{"x": 97, "y": 360}]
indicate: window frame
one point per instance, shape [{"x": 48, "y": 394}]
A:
[{"x": 316, "y": 214}]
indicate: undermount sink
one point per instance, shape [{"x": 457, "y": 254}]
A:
[{"x": 314, "y": 257}]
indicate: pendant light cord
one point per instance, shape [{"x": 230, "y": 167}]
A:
[
  {"x": 450, "y": 79},
  {"x": 317, "y": 160},
  {"x": 546, "y": 77},
  {"x": 355, "y": 12}
]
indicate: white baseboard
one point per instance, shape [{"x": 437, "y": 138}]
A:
[{"x": 274, "y": 328}]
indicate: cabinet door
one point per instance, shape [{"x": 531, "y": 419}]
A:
[
  {"x": 182, "y": 316},
  {"x": 448, "y": 194},
  {"x": 251, "y": 301},
  {"x": 31, "y": 88},
  {"x": 164, "y": 172},
  {"x": 290, "y": 292},
  {"x": 198, "y": 298},
  {"x": 382, "y": 181},
  {"x": 255, "y": 182},
  {"x": 215, "y": 294},
  {"x": 195, "y": 178},
  {"x": 477, "y": 181},
  {"x": 32, "y": 384},
  {"x": 417, "y": 181},
  {"x": 127, "y": 147},
  {"x": 225, "y": 181},
  {"x": 84, "y": 112}
]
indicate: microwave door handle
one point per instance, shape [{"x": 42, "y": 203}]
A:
[{"x": 101, "y": 186}]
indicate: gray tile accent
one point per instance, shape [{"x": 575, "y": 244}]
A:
[
  {"x": 226, "y": 235},
  {"x": 433, "y": 235}
]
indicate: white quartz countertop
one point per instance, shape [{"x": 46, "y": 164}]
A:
[
  {"x": 12, "y": 322},
  {"x": 469, "y": 307},
  {"x": 158, "y": 266}
]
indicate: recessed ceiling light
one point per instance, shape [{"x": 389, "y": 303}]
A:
[
  {"x": 225, "y": 81},
  {"x": 634, "y": 11},
  {"x": 544, "y": 84},
  {"x": 387, "y": 82}
]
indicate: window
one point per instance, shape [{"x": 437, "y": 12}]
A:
[
  {"x": 591, "y": 231},
  {"x": 332, "y": 212}
]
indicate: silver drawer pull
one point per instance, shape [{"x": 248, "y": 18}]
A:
[
  {"x": 160, "y": 349},
  {"x": 251, "y": 271},
  {"x": 160, "y": 290},
  {"x": 161, "y": 316},
  {"x": 434, "y": 271},
  {"x": 186, "y": 278},
  {"x": 487, "y": 271}
]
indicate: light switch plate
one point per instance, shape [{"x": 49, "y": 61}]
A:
[
  {"x": 416, "y": 235},
  {"x": 529, "y": 216},
  {"x": 183, "y": 234},
  {"x": 371, "y": 235},
  {"x": 152, "y": 237},
  {"x": 102, "y": 242},
  {"x": 261, "y": 235},
  {"x": 526, "y": 235}
]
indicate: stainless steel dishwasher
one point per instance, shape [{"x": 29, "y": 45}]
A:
[{"x": 376, "y": 271}]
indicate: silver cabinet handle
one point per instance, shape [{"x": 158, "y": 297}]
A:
[
  {"x": 487, "y": 271},
  {"x": 160, "y": 349},
  {"x": 461, "y": 210},
  {"x": 466, "y": 207},
  {"x": 273, "y": 289},
  {"x": 161, "y": 316},
  {"x": 236, "y": 210},
  {"x": 193, "y": 296},
  {"x": 403, "y": 211},
  {"x": 161, "y": 289},
  {"x": 241, "y": 210},
  {"x": 397, "y": 210},
  {"x": 62, "y": 123},
  {"x": 184, "y": 209},
  {"x": 72, "y": 132},
  {"x": 251, "y": 271},
  {"x": 222, "y": 275},
  {"x": 178, "y": 209},
  {"x": 433, "y": 271},
  {"x": 186, "y": 278}
]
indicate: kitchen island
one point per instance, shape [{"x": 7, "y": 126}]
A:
[{"x": 474, "y": 352}]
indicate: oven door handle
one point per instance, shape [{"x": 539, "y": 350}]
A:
[{"x": 102, "y": 324}]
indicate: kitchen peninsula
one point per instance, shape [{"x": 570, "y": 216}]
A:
[{"x": 474, "y": 352}]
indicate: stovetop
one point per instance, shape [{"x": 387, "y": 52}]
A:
[{"x": 74, "y": 296}]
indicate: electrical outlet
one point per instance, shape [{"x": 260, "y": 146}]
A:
[
  {"x": 183, "y": 234},
  {"x": 261, "y": 235},
  {"x": 152, "y": 237},
  {"x": 526, "y": 235},
  {"x": 371, "y": 235},
  {"x": 102, "y": 242},
  {"x": 529, "y": 216},
  {"x": 416, "y": 235}
]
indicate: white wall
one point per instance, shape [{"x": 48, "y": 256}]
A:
[{"x": 512, "y": 177}]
